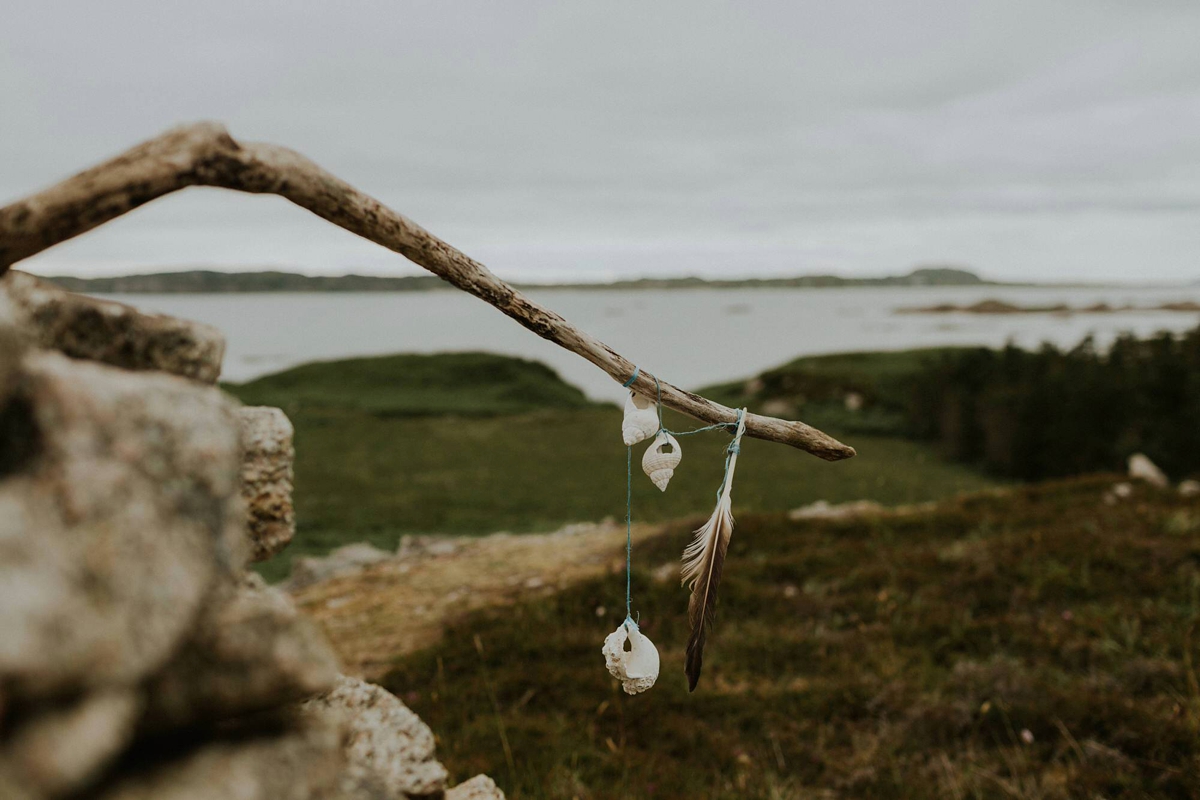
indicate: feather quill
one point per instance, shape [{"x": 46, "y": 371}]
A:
[{"x": 703, "y": 560}]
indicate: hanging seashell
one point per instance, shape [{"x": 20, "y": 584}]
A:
[
  {"x": 661, "y": 459},
  {"x": 641, "y": 419},
  {"x": 637, "y": 667}
]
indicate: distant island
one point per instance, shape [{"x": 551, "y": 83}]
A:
[
  {"x": 1061, "y": 309},
  {"x": 214, "y": 282}
]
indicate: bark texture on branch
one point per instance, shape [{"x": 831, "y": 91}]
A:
[{"x": 205, "y": 154}]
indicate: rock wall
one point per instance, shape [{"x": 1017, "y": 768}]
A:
[{"x": 138, "y": 657}]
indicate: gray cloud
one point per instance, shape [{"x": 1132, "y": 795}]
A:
[{"x": 567, "y": 140}]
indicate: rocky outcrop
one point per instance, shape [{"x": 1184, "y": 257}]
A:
[{"x": 138, "y": 658}]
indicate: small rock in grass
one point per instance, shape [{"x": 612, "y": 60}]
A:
[{"x": 1142, "y": 468}]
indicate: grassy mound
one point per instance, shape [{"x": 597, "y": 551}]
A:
[
  {"x": 466, "y": 384},
  {"x": 815, "y": 388},
  {"x": 1037, "y": 644}
]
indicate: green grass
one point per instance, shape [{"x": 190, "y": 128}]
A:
[
  {"x": 1037, "y": 645},
  {"x": 367, "y": 472}
]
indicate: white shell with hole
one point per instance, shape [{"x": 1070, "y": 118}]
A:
[
  {"x": 637, "y": 667},
  {"x": 659, "y": 462},
  {"x": 641, "y": 419}
]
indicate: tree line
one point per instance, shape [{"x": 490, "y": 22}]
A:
[{"x": 1048, "y": 413}]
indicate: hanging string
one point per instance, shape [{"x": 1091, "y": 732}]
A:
[
  {"x": 628, "y": 534},
  {"x": 734, "y": 447}
]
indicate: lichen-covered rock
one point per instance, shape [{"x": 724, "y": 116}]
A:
[
  {"x": 291, "y": 762},
  {"x": 481, "y": 787},
  {"x": 60, "y": 750},
  {"x": 387, "y": 745},
  {"x": 117, "y": 513},
  {"x": 250, "y": 650},
  {"x": 267, "y": 457},
  {"x": 114, "y": 333}
]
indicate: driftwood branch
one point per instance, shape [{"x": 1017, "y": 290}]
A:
[{"x": 206, "y": 155}]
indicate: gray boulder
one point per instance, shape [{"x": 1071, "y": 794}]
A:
[
  {"x": 114, "y": 333},
  {"x": 250, "y": 650},
  {"x": 129, "y": 480}
]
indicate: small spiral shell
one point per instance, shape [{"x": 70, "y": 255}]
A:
[
  {"x": 641, "y": 419},
  {"x": 661, "y": 459}
]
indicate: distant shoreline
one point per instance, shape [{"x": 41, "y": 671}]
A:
[{"x": 216, "y": 282}]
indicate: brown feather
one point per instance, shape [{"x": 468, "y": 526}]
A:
[{"x": 703, "y": 561}]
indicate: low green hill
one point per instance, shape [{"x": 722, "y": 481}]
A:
[
  {"x": 816, "y": 389},
  {"x": 466, "y": 384}
]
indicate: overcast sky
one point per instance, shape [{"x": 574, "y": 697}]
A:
[{"x": 575, "y": 141}]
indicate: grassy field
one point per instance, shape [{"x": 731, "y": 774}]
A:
[
  {"x": 1038, "y": 644},
  {"x": 474, "y": 444}
]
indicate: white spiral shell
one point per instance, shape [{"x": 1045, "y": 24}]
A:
[
  {"x": 659, "y": 462},
  {"x": 637, "y": 667},
  {"x": 641, "y": 419}
]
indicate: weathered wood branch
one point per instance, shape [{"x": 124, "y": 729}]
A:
[{"x": 206, "y": 155}]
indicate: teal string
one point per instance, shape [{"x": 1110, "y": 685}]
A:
[
  {"x": 628, "y": 533},
  {"x": 725, "y": 426}
]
